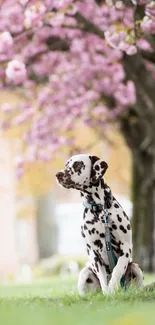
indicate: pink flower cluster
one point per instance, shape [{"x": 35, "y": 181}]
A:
[
  {"x": 70, "y": 73},
  {"x": 34, "y": 14},
  {"x": 6, "y": 42},
  {"x": 16, "y": 72},
  {"x": 119, "y": 40},
  {"x": 148, "y": 23}
]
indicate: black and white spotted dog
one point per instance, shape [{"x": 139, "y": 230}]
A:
[{"x": 85, "y": 173}]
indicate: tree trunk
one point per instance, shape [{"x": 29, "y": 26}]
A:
[
  {"x": 143, "y": 222},
  {"x": 138, "y": 138},
  {"x": 138, "y": 128}
]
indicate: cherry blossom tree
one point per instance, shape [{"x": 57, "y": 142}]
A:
[{"x": 87, "y": 60}]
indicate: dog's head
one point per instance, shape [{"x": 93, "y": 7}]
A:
[{"x": 80, "y": 171}]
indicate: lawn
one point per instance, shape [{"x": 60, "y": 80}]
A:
[{"x": 56, "y": 301}]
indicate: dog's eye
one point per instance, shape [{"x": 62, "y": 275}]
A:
[{"x": 77, "y": 166}]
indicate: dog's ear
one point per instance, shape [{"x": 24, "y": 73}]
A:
[{"x": 99, "y": 168}]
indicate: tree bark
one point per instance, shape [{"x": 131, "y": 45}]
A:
[
  {"x": 138, "y": 128},
  {"x": 143, "y": 193},
  {"x": 135, "y": 131}
]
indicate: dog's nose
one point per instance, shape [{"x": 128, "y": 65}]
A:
[{"x": 59, "y": 175}]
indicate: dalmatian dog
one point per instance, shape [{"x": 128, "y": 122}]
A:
[{"x": 85, "y": 173}]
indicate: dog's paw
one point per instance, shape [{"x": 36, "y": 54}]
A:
[
  {"x": 112, "y": 289},
  {"x": 105, "y": 291}
]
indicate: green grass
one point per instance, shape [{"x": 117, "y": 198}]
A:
[{"x": 56, "y": 301}]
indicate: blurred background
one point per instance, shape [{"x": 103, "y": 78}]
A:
[{"x": 75, "y": 76}]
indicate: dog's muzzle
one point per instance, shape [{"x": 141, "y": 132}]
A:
[{"x": 60, "y": 176}]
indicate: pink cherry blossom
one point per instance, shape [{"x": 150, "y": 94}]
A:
[
  {"x": 34, "y": 14},
  {"x": 57, "y": 19},
  {"x": 144, "y": 44},
  {"x": 148, "y": 26},
  {"x": 23, "y": 117},
  {"x": 11, "y": 18},
  {"x": 16, "y": 72},
  {"x": 6, "y": 108},
  {"x": 6, "y": 42},
  {"x": 132, "y": 49},
  {"x": 19, "y": 166},
  {"x": 66, "y": 70},
  {"x": 118, "y": 40},
  {"x": 150, "y": 9},
  {"x": 113, "y": 39},
  {"x": 144, "y": 2},
  {"x": 23, "y": 2},
  {"x": 61, "y": 3}
]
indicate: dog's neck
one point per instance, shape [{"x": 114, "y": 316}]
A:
[{"x": 96, "y": 193}]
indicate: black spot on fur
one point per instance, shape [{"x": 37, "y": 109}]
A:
[
  {"x": 96, "y": 194},
  {"x": 102, "y": 235},
  {"x": 116, "y": 205},
  {"x": 93, "y": 159},
  {"x": 82, "y": 233},
  {"x": 123, "y": 229},
  {"x": 97, "y": 258},
  {"x": 102, "y": 219},
  {"x": 78, "y": 166},
  {"x": 119, "y": 218},
  {"x": 107, "y": 268},
  {"x": 98, "y": 243},
  {"x": 88, "y": 246},
  {"x": 121, "y": 252},
  {"x": 96, "y": 266},
  {"x": 113, "y": 241},
  {"x": 130, "y": 250},
  {"x": 97, "y": 167},
  {"x": 90, "y": 222},
  {"x": 95, "y": 219},
  {"x": 93, "y": 231},
  {"x": 116, "y": 249},
  {"x": 125, "y": 215},
  {"x": 85, "y": 227},
  {"x": 104, "y": 165},
  {"x": 128, "y": 227},
  {"x": 85, "y": 212},
  {"x": 114, "y": 227},
  {"x": 89, "y": 280},
  {"x": 127, "y": 254}
]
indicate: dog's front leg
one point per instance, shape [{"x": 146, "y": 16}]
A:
[
  {"x": 102, "y": 276},
  {"x": 101, "y": 273},
  {"x": 118, "y": 272}
]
